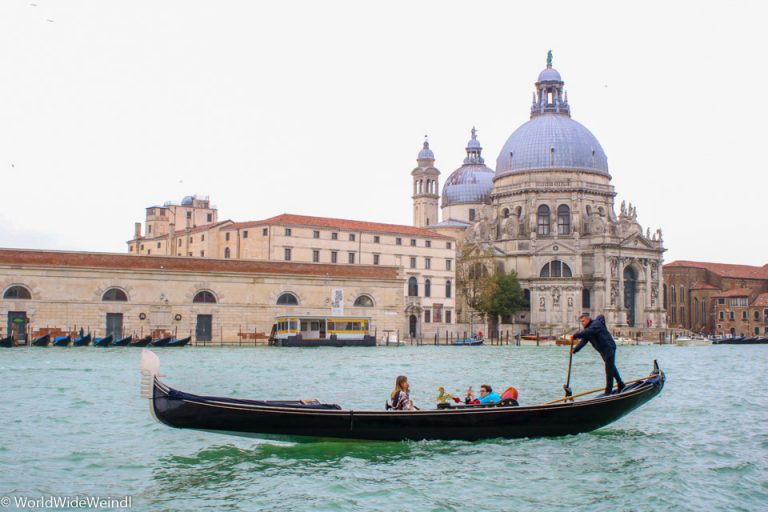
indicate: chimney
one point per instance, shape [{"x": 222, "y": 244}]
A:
[{"x": 137, "y": 230}]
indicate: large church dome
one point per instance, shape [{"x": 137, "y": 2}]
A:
[
  {"x": 473, "y": 181},
  {"x": 551, "y": 139}
]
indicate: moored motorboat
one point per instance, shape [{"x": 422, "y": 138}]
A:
[
  {"x": 256, "y": 418},
  {"x": 82, "y": 341},
  {"x": 161, "y": 342},
  {"x": 6, "y": 342},
  {"x": 103, "y": 342},
  {"x": 62, "y": 341},
  {"x": 467, "y": 342},
  {"x": 122, "y": 342},
  {"x": 143, "y": 342},
  {"x": 179, "y": 342},
  {"x": 42, "y": 341}
]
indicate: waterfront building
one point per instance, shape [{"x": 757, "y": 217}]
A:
[
  {"x": 717, "y": 298},
  {"x": 425, "y": 257},
  {"x": 210, "y": 299}
]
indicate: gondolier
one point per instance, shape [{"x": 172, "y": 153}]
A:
[{"x": 596, "y": 333}]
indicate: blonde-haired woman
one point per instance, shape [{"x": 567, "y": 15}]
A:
[{"x": 400, "y": 399}]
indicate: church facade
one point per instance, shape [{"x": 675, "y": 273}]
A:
[{"x": 547, "y": 213}]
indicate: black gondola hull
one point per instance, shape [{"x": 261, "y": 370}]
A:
[
  {"x": 42, "y": 341},
  {"x": 161, "y": 342},
  {"x": 103, "y": 342},
  {"x": 179, "y": 342},
  {"x": 6, "y": 342},
  {"x": 123, "y": 342},
  {"x": 143, "y": 342},
  {"x": 251, "y": 418}
]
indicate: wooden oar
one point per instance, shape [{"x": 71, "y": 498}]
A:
[
  {"x": 589, "y": 392},
  {"x": 567, "y": 385}
]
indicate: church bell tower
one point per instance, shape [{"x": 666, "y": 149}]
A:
[{"x": 425, "y": 189}]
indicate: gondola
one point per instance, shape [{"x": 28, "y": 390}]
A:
[
  {"x": 122, "y": 342},
  {"x": 103, "y": 342},
  {"x": 161, "y": 342},
  {"x": 143, "y": 342},
  {"x": 62, "y": 341},
  {"x": 82, "y": 341},
  {"x": 179, "y": 342},
  {"x": 292, "y": 419},
  {"x": 42, "y": 341},
  {"x": 6, "y": 342},
  {"x": 467, "y": 342}
]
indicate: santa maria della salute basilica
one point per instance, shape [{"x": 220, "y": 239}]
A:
[{"x": 547, "y": 213}]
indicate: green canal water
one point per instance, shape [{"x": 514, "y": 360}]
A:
[{"x": 73, "y": 424}]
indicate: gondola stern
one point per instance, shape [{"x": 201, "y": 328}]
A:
[{"x": 150, "y": 372}]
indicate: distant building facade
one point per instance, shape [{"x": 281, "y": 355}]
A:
[
  {"x": 717, "y": 298},
  {"x": 211, "y": 300}
]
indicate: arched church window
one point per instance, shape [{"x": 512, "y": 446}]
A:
[
  {"x": 364, "y": 301},
  {"x": 695, "y": 311},
  {"x": 413, "y": 287},
  {"x": 287, "y": 299},
  {"x": 204, "y": 297},
  {"x": 17, "y": 292},
  {"x": 556, "y": 268},
  {"x": 543, "y": 220},
  {"x": 664, "y": 296},
  {"x": 673, "y": 296},
  {"x": 563, "y": 220},
  {"x": 115, "y": 294},
  {"x": 527, "y": 297},
  {"x": 505, "y": 213},
  {"x": 586, "y": 298}
]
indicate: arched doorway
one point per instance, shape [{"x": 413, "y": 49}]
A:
[
  {"x": 630, "y": 282},
  {"x": 412, "y": 326}
]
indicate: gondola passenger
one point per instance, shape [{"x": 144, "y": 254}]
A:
[
  {"x": 486, "y": 396},
  {"x": 401, "y": 401}
]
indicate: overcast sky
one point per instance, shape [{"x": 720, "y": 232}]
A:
[{"x": 320, "y": 108}]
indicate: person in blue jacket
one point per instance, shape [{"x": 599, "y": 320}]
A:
[
  {"x": 487, "y": 395},
  {"x": 596, "y": 333}
]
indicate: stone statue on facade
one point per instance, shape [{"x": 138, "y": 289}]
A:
[
  {"x": 556, "y": 297},
  {"x": 623, "y": 211},
  {"x": 542, "y": 303},
  {"x": 654, "y": 294},
  {"x": 614, "y": 268},
  {"x": 570, "y": 302},
  {"x": 654, "y": 271},
  {"x": 614, "y": 293}
]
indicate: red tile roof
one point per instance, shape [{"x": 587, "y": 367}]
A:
[
  {"x": 725, "y": 269},
  {"x": 34, "y": 258},
  {"x": 761, "y": 301},
  {"x": 182, "y": 232},
  {"x": 701, "y": 285},
  {"x": 287, "y": 219},
  {"x": 737, "y": 292}
]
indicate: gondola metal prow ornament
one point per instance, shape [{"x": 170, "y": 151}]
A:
[{"x": 150, "y": 368}]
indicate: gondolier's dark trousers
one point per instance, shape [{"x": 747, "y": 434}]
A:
[{"x": 611, "y": 372}]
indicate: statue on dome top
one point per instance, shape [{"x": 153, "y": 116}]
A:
[{"x": 549, "y": 59}]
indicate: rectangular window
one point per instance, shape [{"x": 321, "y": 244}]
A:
[
  {"x": 158, "y": 245},
  {"x": 245, "y": 234},
  {"x": 334, "y": 256},
  {"x": 471, "y": 214},
  {"x": 721, "y": 301},
  {"x": 202, "y": 238},
  {"x": 334, "y": 236},
  {"x": 376, "y": 239},
  {"x": 398, "y": 241},
  {"x": 722, "y": 315},
  {"x": 448, "y": 245},
  {"x": 351, "y": 258},
  {"x": 351, "y": 237},
  {"x": 427, "y": 316},
  {"x": 142, "y": 246},
  {"x": 428, "y": 243},
  {"x": 178, "y": 242},
  {"x": 149, "y": 251},
  {"x": 448, "y": 264},
  {"x": 448, "y": 317},
  {"x": 733, "y": 315},
  {"x": 428, "y": 263},
  {"x": 191, "y": 239},
  {"x": 315, "y": 234},
  {"x": 202, "y": 254},
  {"x": 210, "y": 217},
  {"x": 287, "y": 254},
  {"x": 315, "y": 256},
  {"x": 264, "y": 231},
  {"x": 413, "y": 262},
  {"x": 413, "y": 242},
  {"x": 189, "y": 215},
  {"x": 743, "y": 315},
  {"x": 149, "y": 229},
  {"x": 287, "y": 231},
  {"x": 437, "y": 313},
  {"x": 375, "y": 259},
  {"x": 226, "y": 237}
]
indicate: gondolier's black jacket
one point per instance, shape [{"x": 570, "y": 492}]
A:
[{"x": 597, "y": 334}]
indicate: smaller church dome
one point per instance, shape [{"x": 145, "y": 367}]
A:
[
  {"x": 426, "y": 153},
  {"x": 473, "y": 181}
]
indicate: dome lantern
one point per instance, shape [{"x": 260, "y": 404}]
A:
[{"x": 548, "y": 97}]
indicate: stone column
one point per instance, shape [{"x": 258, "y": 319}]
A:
[{"x": 620, "y": 293}]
